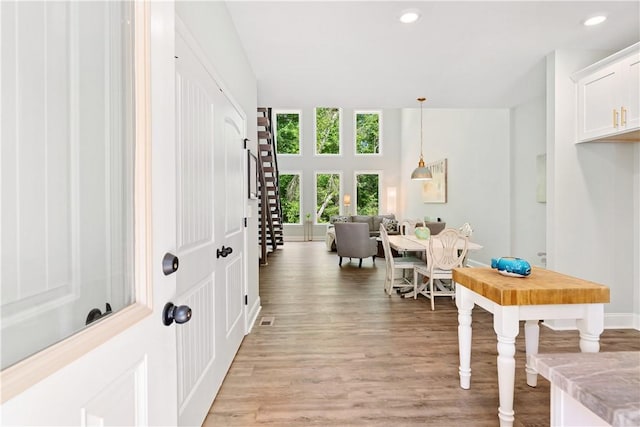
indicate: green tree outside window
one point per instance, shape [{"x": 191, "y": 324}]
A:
[
  {"x": 288, "y": 133},
  {"x": 327, "y": 130},
  {"x": 327, "y": 196},
  {"x": 289, "y": 185},
  {"x": 367, "y": 194},
  {"x": 367, "y": 133}
]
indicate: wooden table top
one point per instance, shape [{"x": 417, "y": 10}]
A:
[
  {"x": 540, "y": 287},
  {"x": 412, "y": 243}
]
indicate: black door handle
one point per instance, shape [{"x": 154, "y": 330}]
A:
[
  {"x": 223, "y": 252},
  {"x": 170, "y": 263},
  {"x": 96, "y": 314},
  {"x": 173, "y": 313}
]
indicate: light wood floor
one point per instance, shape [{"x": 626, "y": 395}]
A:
[{"x": 341, "y": 352}]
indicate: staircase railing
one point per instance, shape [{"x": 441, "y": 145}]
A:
[{"x": 271, "y": 231}]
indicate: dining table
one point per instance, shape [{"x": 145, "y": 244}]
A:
[{"x": 411, "y": 243}]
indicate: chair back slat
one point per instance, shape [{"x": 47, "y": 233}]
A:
[{"x": 443, "y": 251}]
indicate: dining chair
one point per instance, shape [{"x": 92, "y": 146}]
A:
[
  {"x": 408, "y": 226},
  {"x": 402, "y": 264},
  {"x": 446, "y": 251}
]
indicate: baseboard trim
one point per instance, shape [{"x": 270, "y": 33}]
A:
[
  {"x": 253, "y": 315},
  {"x": 611, "y": 321},
  {"x": 474, "y": 263}
]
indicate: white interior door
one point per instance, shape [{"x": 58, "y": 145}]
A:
[
  {"x": 209, "y": 134},
  {"x": 60, "y": 125}
]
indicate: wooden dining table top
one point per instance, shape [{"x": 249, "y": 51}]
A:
[
  {"x": 542, "y": 286},
  {"x": 412, "y": 243}
]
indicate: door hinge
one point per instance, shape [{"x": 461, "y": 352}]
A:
[
  {"x": 246, "y": 300},
  {"x": 245, "y": 222}
]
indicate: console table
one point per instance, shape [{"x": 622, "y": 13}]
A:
[{"x": 542, "y": 295}]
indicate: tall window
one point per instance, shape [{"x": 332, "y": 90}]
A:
[
  {"x": 367, "y": 132},
  {"x": 290, "y": 197},
  {"x": 368, "y": 194},
  {"x": 327, "y": 196},
  {"x": 287, "y": 126},
  {"x": 327, "y": 130}
]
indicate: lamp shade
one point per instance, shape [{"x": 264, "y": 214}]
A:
[
  {"x": 347, "y": 199},
  {"x": 391, "y": 199},
  {"x": 421, "y": 173}
]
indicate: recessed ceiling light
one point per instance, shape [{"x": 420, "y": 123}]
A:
[
  {"x": 595, "y": 20},
  {"x": 409, "y": 16}
]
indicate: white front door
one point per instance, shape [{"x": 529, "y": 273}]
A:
[
  {"x": 210, "y": 204},
  {"x": 65, "y": 189}
]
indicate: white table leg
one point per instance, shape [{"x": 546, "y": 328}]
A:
[
  {"x": 506, "y": 325},
  {"x": 531, "y": 338},
  {"x": 591, "y": 326},
  {"x": 465, "y": 306}
]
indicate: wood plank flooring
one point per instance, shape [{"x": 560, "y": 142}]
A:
[{"x": 340, "y": 352}]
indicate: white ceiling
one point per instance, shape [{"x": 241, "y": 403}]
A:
[{"x": 458, "y": 55}]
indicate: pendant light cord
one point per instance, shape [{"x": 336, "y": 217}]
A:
[{"x": 421, "y": 101}]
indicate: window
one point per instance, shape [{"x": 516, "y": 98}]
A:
[
  {"x": 289, "y": 184},
  {"x": 367, "y": 131},
  {"x": 327, "y": 130},
  {"x": 327, "y": 196},
  {"x": 287, "y": 124},
  {"x": 367, "y": 194}
]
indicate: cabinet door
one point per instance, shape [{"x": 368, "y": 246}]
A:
[
  {"x": 630, "y": 92},
  {"x": 597, "y": 100}
]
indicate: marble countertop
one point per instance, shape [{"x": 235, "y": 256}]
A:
[{"x": 608, "y": 384}]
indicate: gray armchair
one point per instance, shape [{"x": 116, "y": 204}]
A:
[{"x": 353, "y": 241}]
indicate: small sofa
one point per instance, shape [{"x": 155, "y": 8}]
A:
[{"x": 373, "y": 221}]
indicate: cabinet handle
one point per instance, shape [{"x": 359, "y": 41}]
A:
[
  {"x": 615, "y": 118},
  {"x": 623, "y": 116}
]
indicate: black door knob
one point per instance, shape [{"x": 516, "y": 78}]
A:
[
  {"x": 173, "y": 313},
  {"x": 223, "y": 252},
  {"x": 169, "y": 263}
]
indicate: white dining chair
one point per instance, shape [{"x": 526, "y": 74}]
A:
[
  {"x": 444, "y": 254},
  {"x": 402, "y": 264}
]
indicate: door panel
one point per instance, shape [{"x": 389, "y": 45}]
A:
[
  {"x": 120, "y": 403},
  {"x": 235, "y": 296},
  {"x": 120, "y": 370},
  {"x": 196, "y": 344},
  {"x": 210, "y": 174},
  {"x": 230, "y": 310}
]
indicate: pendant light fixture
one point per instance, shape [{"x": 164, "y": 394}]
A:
[{"x": 421, "y": 173}]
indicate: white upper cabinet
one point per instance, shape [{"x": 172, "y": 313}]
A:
[{"x": 609, "y": 98}]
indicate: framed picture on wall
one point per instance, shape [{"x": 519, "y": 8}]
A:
[
  {"x": 435, "y": 191},
  {"x": 252, "y": 179}
]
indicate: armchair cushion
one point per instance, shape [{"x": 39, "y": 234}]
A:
[
  {"x": 367, "y": 219},
  {"x": 377, "y": 220},
  {"x": 339, "y": 218}
]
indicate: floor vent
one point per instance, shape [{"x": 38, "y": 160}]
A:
[{"x": 266, "y": 321}]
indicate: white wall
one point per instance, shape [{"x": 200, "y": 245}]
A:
[
  {"x": 528, "y": 141},
  {"x": 211, "y": 25},
  {"x": 477, "y": 148},
  {"x": 591, "y": 197}
]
